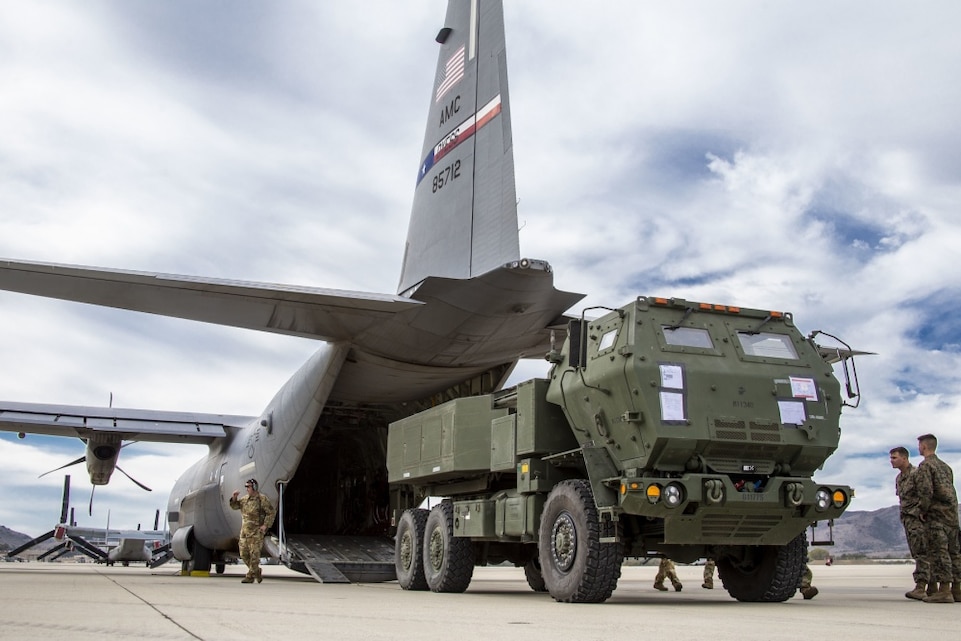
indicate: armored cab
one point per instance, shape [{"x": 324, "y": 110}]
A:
[
  {"x": 712, "y": 418},
  {"x": 666, "y": 428}
]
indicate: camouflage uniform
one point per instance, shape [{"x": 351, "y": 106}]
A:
[
  {"x": 938, "y": 502},
  {"x": 256, "y": 511},
  {"x": 807, "y": 590},
  {"x": 709, "y": 567},
  {"x": 666, "y": 570},
  {"x": 906, "y": 489}
]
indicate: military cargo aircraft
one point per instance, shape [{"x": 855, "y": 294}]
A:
[{"x": 467, "y": 308}]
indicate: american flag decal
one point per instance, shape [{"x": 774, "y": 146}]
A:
[{"x": 453, "y": 72}]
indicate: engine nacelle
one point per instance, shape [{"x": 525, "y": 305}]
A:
[{"x": 103, "y": 450}]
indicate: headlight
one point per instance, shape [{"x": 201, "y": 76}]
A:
[
  {"x": 822, "y": 499},
  {"x": 673, "y": 495}
]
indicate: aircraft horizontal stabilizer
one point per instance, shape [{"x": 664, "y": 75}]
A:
[
  {"x": 308, "y": 312},
  {"x": 127, "y": 424}
]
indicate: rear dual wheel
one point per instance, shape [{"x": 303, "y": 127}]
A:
[
  {"x": 409, "y": 549},
  {"x": 448, "y": 559}
]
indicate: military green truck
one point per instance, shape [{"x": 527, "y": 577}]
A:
[{"x": 666, "y": 428}]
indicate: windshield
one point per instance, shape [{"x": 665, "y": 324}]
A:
[{"x": 767, "y": 345}]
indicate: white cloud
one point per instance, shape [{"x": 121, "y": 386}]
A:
[{"x": 798, "y": 157}]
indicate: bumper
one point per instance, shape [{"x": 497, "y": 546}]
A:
[{"x": 713, "y": 509}]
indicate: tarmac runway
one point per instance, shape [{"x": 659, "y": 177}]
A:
[{"x": 85, "y": 601}]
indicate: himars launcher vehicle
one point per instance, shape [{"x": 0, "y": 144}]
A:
[{"x": 666, "y": 428}]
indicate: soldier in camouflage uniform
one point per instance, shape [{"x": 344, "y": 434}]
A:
[
  {"x": 666, "y": 571},
  {"x": 258, "y": 516},
  {"x": 934, "y": 481},
  {"x": 907, "y": 493}
]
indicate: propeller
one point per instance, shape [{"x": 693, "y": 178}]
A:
[
  {"x": 135, "y": 481},
  {"x": 65, "y": 546},
  {"x": 29, "y": 544},
  {"x": 57, "y": 469},
  {"x": 48, "y": 535},
  {"x": 161, "y": 555},
  {"x": 94, "y": 553}
]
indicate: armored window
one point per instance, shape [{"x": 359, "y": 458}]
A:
[
  {"x": 687, "y": 337},
  {"x": 607, "y": 340},
  {"x": 765, "y": 345}
]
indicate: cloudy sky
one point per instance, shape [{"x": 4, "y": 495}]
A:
[{"x": 794, "y": 156}]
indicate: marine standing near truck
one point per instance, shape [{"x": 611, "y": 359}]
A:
[
  {"x": 907, "y": 493},
  {"x": 939, "y": 512}
]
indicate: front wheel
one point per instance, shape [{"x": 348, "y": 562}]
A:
[
  {"x": 767, "y": 573},
  {"x": 576, "y": 566},
  {"x": 448, "y": 559},
  {"x": 409, "y": 548}
]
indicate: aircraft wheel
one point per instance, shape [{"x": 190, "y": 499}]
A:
[
  {"x": 768, "y": 573},
  {"x": 409, "y": 549},
  {"x": 202, "y": 558},
  {"x": 448, "y": 559},
  {"x": 576, "y": 566}
]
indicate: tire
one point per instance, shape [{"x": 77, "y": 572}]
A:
[
  {"x": 409, "y": 549},
  {"x": 448, "y": 559},
  {"x": 576, "y": 566},
  {"x": 535, "y": 578},
  {"x": 766, "y": 573},
  {"x": 202, "y": 558}
]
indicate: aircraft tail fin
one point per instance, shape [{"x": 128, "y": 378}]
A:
[{"x": 464, "y": 217}]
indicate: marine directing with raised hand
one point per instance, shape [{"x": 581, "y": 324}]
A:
[{"x": 258, "y": 515}]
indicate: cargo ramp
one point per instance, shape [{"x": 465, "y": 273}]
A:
[{"x": 338, "y": 559}]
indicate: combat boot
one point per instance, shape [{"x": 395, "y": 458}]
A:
[
  {"x": 247, "y": 579},
  {"x": 678, "y": 586},
  {"x": 708, "y": 585},
  {"x": 943, "y": 595},
  {"x": 809, "y": 592},
  {"x": 956, "y": 591},
  {"x": 659, "y": 585},
  {"x": 260, "y": 575},
  {"x": 918, "y": 593}
]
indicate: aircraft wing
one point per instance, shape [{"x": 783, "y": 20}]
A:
[
  {"x": 309, "y": 312},
  {"x": 113, "y": 535},
  {"x": 128, "y": 424}
]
